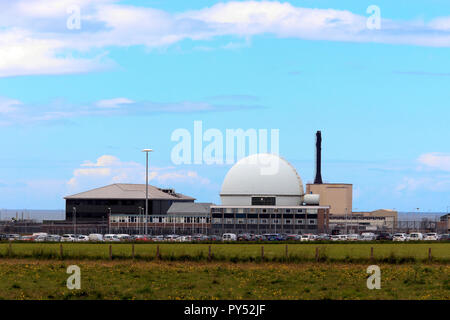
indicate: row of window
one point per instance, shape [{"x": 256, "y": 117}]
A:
[
  {"x": 136, "y": 219},
  {"x": 263, "y": 221},
  {"x": 255, "y": 210}
]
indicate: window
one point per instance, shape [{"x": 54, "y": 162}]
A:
[
  {"x": 240, "y": 221},
  {"x": 287, "y": 221},
  {"x": 216, "y": 220},
  {"x": 229, "y": 221},
  {"x": 311, "y": 211},
  {"x": 264, "y": 221},
  {"x": 312, "y": 221},
  {"x": 263, "y": 201},
  {"x": 276, "y": 221},
  {"x": 300, "y": 221}
]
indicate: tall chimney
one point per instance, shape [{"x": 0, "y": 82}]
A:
[{"x": 318, "y": 179}]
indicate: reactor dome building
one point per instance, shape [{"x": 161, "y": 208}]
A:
[{"x": 263, "y": 193}]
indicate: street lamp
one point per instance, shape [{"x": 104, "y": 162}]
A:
[
  {"x": 74, "y": 220},
  {"x": 109, "y": 221},
  {"x": 146, "y": 186}
]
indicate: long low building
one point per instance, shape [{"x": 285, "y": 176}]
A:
[{"x": 98, "y": 204}]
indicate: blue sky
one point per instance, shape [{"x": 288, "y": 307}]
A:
[{"x": 78, "y": 105}]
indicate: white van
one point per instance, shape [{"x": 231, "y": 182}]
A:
[
  {"x": 229, "y": 237},
  {"x": 415, "y": 236},
  {"x": 95, "y": 237}
]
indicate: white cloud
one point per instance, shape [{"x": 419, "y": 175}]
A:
[
  {"x": 108, "y": 169},
  {"x": 436, "y": 160},
  {"x": 34, "y": 38}
]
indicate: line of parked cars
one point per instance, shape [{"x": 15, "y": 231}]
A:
[{"x": 96, "y": 237}]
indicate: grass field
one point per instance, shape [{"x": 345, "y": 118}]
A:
[
  {"x": 239, "y": 252},
  {"x": 46, "y": 279}
]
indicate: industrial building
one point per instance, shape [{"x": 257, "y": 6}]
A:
[
  {"x": 98, "y": 204},
  {"x": 378, "y": 220},
  {"x": 263, "y": 193}
]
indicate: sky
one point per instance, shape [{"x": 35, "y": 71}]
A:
[{"x": 86, "y": 85}]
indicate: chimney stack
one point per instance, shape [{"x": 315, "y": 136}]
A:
[{"x": 318, "y": 179}]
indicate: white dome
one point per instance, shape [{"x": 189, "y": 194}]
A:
[{"x": 262, "y": 175}]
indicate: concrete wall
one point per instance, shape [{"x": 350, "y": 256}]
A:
[{"x": 338, "y": 196}]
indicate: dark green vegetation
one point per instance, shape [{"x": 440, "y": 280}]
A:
[
  {"x": 239, "y": 252},
  {"x": 46, "y": 279}
]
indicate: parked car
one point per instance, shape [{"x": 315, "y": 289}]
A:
[
  {"x": 68, "y": 238},
  {"x": 384, "y": 236},
  {"x": 184, "y": 239},
  {"x": 111, "y": 238},
  {"x": 13, "y": 237},
  {"x": 444, "y": 237},
  {"x": 214, "y": 238},
  {"x": 124, "y": 237},
  {"x": 229, "y": 237},
  {"x": 82, "y": 238},
  {"x": 26, "y": 238},
  {"x": 53, "y": 238},
  {"x": 40, "y": 238},
  {"x": 339, "y": 237},
  {"x": 431, "y": 236},
  {"x": 368, "y": 236},
  {"x": 323, "y": 237},
  {"x": 292, "y": 237},
  {"x": 306, "y": 237},
  {"x": 353, "y": 237},
  {"x": 95, "y": 237},
  {"x": 400, "y": 237},
  {"x": 415, "y": 236}
]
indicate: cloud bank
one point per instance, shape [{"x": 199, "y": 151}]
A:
[{"x": 35, "y": 39}]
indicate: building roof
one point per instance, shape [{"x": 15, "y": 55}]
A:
[
  {"x": 189, "y": 208},
  {"x": 129, "y": 191}
]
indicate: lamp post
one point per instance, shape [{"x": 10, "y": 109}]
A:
[
  {"x": 109, "y": 220},
  {"x": 137, "y": 220},
  {"x": 146, "y": 186},
  {"x": 346, "y": 220},
  {"x": 74, "y": 220}
]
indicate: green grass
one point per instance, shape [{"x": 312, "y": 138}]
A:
[
  {"x": 46, "y": 279},
  {"x": 241, "y": 252}
]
